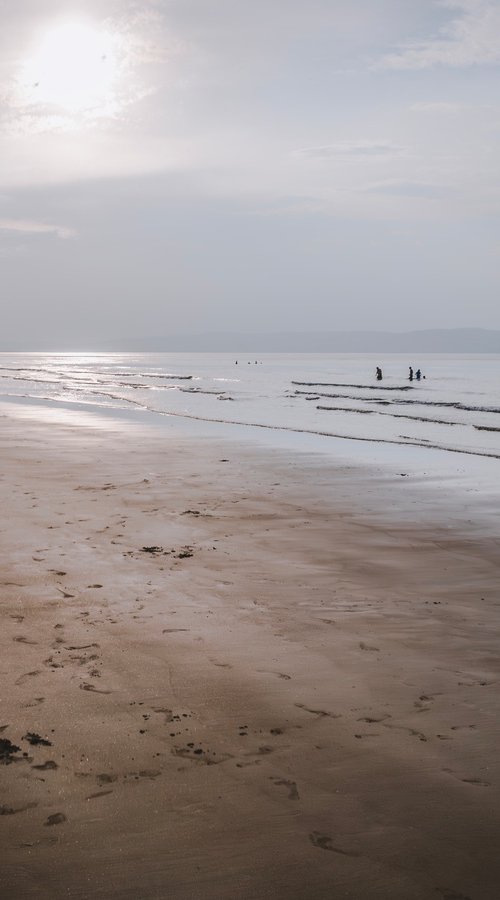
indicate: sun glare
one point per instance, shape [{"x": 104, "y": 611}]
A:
[{"x": 75, "y": 70}]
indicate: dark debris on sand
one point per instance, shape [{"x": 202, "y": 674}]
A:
[
  {"x": 8, "y": 751},
  {"x": 35, "y": 740}
]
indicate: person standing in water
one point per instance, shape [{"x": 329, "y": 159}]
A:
[
  {"x": 418, "y": 374},
  {"x": 410, "y": 376},
  {"x": 379, "y": 373}
]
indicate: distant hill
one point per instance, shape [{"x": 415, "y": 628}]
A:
[
  {"x": 455, "y": 340},
  {"x": 452, "y": 340}
]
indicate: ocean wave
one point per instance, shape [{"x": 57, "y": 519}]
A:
[
  {"x": 401, "y": 416},
  {"x": 34, "y": 380},
  {"x": 171, "y": 377},
  {"x": 407, "y": 440},
  {"x": 443, "y": 404},
  {"x": 365, "y": 387},
  {"x": 56, "y": 401},
  {"x": 196, "y": 390},
  {"x": 451, "y": 404},
  {"x": 308, "y": 394},
  {"x": 404, "y": 440}
]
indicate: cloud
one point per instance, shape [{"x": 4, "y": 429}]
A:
[
  {"x": 357, "y": 150},
  {"x": 27, "y": 226},
  {"x": 441, "y": 108},
  {"x": 412, "y": 189},
  {"x": 472, "y": 37}
]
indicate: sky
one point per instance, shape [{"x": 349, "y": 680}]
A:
[{"x": 188, "y": 166}]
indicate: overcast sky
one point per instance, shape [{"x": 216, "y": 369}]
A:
[{"x": 173, "y": 166}]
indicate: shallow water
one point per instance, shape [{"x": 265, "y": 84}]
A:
[{"x": 456, "y": 407}]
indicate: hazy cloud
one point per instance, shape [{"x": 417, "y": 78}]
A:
[
  {"x": 437, "y": 107},
  {"x": 30, "y": 227},
  {"x": 419, "y": 190},
  {"x": 353, "y": 150},
  {"x": 471, "y": 38}
]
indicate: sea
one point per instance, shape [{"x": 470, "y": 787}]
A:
[{"x": 331, "y": 404}]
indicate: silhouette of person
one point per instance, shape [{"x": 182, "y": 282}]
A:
[
  {"x": 418, "y": 374},
  {"x": 411, "y": 374},
  {"x": 379, "y": 373}
]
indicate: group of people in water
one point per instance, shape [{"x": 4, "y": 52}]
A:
[{"x": 417, "y": 375}]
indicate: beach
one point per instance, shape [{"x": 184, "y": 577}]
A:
[{"x": 229, "y": 671}]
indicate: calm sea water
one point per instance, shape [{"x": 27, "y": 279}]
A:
[{"x": 455, "y": 408}]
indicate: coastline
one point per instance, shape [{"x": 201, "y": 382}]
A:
[{"x": 290, "y": 693}]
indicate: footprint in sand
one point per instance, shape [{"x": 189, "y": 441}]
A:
[
  {"x": 35, "y": 702},
  {"x": 10, "y": 811},
  {"x": 293, "y": 793},
  {"x": 477, "y": 781},
  {"x": 324, "y": 842},
  {"x": 93, "y": 690},
  {"x": 372, "y": 720},
  {"x": 282, "y": 675},
  {"x": 321, "y": 713},
  {"x": 411, "y": 731},
  {"x": 199, "y": 755},
  {"x": 23, "y": 678},
  {"x": 81, "y": 647},
  {"x": 168, "y": 713},
  {"x": 106, "y": 778},
  {"x": 145, "y": 773},
  {"x": 98, "y": 794},
  {"x": 423, "y": 704},
  {"x": 55, "y": 819},
  {"x": 84, "y": 660},
  {"x": 51, "y": 664}
]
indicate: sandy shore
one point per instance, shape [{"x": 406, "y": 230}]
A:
[{"x": 221, "y": 678}]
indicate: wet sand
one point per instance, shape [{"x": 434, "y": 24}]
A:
[{"x": 232, "y": 673}]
